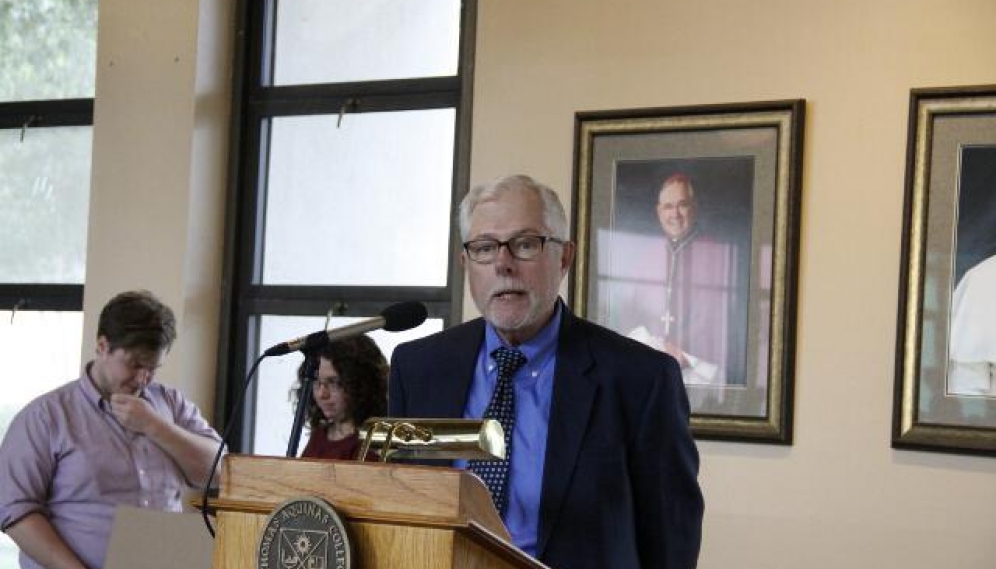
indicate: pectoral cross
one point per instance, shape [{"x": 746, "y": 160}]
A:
[
  {"x": 676, "y": 249},
  {"x": 668, "y": 319}
]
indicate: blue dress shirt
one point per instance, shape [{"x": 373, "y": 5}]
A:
[{"x": 533, "y": 393}]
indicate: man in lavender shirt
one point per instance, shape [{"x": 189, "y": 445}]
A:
[{"x": 113, "y": 436}]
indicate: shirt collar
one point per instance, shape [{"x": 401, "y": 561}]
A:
[{"x": 89, "y": 389}]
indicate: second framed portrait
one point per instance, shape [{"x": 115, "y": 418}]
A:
[
  {"x": 945, "y": 394},
  {"x": 687, "y": 224}
]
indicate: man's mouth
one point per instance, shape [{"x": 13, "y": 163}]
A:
[{"x": 507, "y": 294}]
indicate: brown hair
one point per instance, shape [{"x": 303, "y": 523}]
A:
[
  {"x": 363, "y": 371},
  {"x": 137, "y": 320}
]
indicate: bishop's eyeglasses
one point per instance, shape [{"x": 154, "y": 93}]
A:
[{"x": 521, "y": 247}]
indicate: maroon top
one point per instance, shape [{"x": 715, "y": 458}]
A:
[{"x": 319, "y": 446}]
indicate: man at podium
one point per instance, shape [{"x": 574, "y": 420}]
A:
[{"x": 602, "y": 468}]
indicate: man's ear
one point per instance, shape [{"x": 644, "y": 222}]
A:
[
  {"x": 103, "y": 346},
  {"x": 567, "y": 255}
]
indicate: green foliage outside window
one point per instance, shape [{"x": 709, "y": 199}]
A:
[{"x": 47, "y": 49}]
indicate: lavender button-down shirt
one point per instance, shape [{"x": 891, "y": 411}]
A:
[{"x": 66, "y": 457}]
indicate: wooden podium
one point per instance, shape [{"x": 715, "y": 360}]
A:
[{"x": 396, "y": 515}]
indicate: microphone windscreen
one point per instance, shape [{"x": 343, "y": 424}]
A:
[{"x": 404, "y": 316}]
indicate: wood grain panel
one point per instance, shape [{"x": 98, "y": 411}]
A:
[{"x": 396, "y": 515}]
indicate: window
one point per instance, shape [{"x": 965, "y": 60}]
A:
[
  {"x": 47, "y": 67},
  {"x": 353, "y": 130}
]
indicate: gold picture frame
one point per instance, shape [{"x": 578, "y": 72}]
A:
[
  {"x": 735, "y": 261},
  {"x": 945, "y": 384}
]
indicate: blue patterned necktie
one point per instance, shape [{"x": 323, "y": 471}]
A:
[{"x": 502, "y": 408}]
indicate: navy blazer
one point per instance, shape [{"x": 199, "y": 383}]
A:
[{"x": 620, "y": 484}]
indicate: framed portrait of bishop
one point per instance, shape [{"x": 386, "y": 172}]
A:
[{"x": 686, "y": 221}]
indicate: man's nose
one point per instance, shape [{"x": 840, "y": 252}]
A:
[{"x": 505, "y": 261}]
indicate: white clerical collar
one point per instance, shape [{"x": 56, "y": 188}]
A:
[{"x": 679, "y": 243}]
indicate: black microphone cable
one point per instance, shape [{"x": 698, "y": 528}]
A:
[{"x": 236, "y": 413}]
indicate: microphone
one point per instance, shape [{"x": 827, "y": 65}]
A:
[{"x": 394, "y": 318}]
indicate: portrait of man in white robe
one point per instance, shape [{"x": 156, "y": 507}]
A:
[{"x": 972, "y": 337}]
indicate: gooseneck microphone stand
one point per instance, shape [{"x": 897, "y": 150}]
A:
[{"x": 303, "y": 401}]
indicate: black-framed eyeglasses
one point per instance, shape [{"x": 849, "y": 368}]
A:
[{"x": 522, "y": 247}]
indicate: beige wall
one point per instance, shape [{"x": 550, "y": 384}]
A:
[
  {"x": 159, "y": 165},
  {"x": 839, "y": 496}
]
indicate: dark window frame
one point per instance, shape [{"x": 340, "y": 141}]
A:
[
  {"x": 30, "y": 116},
  {"x": 244, "y": 299}
]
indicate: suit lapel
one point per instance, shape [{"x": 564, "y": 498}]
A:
[
  {"x": 573, "y": 395},
  {"x": 456, "y": 372}
]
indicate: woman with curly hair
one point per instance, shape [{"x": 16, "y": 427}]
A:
[{"x": 351, "y": 387}]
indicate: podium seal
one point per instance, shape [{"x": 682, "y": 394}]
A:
[{"x": 304, "y": 533}]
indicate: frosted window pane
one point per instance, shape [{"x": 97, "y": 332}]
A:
[
  {"x": 44, "y": 189},
  {"x": 334, "y": 41},
  {"x": 32, "y": 338},
  {"x": 48, "y": 49},
  {"x": 364, "y": 204},
  {"x": 274, "y": 406},
  {"x": 8, "y": 552}
]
